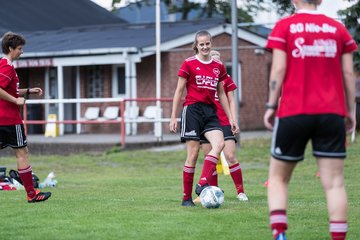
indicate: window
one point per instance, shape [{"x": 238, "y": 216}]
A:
[
  {"x": 95, "y": 82},
  {"x": 121, "y": 81}
]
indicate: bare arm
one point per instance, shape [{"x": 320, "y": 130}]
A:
[
  {"x": 176, "y": 102},
  {"x": 36, "y": 90},
  {"x": 349, "y": 87},
  {"x": 232, "y": 105},
  {"x": 278, "y": 70}
]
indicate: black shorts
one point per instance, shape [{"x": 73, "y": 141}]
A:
[
  {"x": 228, "y": 135},
  {"x": 291, "y": 134},
  {"x": 197, "y": 119},
  {"x": 12, "y": 136}
]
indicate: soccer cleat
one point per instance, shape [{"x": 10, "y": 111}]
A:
[
  {"x": 199, "y": 188},
  {"x": 39, "y": 197},
  {"x": 281, "y": 236},
  {"x": 242, "y": 197},
  {"x": 188, "y": 203}
]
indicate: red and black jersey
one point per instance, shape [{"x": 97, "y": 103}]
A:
[
  {"x": 202, "y": 79},
  {"x": 314, "y": 44},
  {"x": 9, "y": 82}
]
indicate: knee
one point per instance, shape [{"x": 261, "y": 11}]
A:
[
  {"x": 231, "y": 159},
  {"x": 219, "y": 146}
]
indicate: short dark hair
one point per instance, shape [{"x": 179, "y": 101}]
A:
[{"x": 11, "y": 40}]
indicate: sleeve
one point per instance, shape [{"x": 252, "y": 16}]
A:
[
  {"x": 184, "y": 70},
  {"x": 278, "y": 37},
  {"x": 229, "y": 84},
  {"x": 349, "y": 44},
  {"x": 223, "y": 74},
  {"x": 6, "y": 75}
]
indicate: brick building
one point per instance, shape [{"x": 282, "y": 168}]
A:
[{"x": 117, "y": 60}]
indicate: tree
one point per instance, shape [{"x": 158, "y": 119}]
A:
[{"x": 352, "y": 22}]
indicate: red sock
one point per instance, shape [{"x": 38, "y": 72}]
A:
[
  {"x": 26, "y": 178},
  {"x": 278, "y": 222},
  {"x": 236, "y": 174},
  {"x": 213, "y": 181},
  {"x": 188, "y": 179},
  {"x": 338, "y": 230},
  {"x": 208, "y": 169}
]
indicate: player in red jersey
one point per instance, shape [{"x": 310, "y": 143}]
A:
[
  {"x": 312, "y": 69},
  {"x": 11, "y": 125},
  {"x": 230, "y": 139},
  {"x": 200, "y": 76}
]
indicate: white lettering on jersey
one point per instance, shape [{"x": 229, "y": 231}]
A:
[
  {"x": 320, "y": 48},
  {"x": 311, "y": 28},
  {"x": 206, "y": 82}
]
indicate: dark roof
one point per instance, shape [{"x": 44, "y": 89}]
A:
[
  {"x": 110, "y": 36},
  {"x": 145, "y": 12},
  {"x": 34, "y": 15},
  {"x": 260, "y": 30}
]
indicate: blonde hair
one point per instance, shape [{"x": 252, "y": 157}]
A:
[
  {"x": 215, "y": 54},
  {"x": 200, "y": 34}
]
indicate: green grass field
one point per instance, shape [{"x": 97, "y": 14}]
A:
[{"x": 137, "y": 195}]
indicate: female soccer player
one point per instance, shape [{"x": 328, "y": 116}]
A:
[
  {"x": 229, "y": 137},
  {"x": 11, "y": 125},
  {"x": 313, "y": 69},
  {"x": 200, "y": 75}
]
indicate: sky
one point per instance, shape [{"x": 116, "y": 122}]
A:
[{"x": 328, "y": 7}]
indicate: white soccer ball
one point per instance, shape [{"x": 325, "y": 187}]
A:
[{"x": 211, "y": 197}]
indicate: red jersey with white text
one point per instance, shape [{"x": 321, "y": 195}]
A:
[
  {"x": 202, "y": 79},
  {"x": 229, "y": 86},
  {"x": 9, "y": 82},
  {"x": 314, "y": 44}
]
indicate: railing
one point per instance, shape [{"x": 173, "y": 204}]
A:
[{"x": 123, "y": 102}]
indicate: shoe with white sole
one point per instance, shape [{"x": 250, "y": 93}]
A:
[{"x": 242, "y": 197}]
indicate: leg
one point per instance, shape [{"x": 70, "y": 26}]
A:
[
  {"x": 213, "y": 181},
  {"x": 235, "y": 168},
  {"x": 189, "y": 171},
  {"x": 332, "y": 179},
  {"x": 279, "y": 177},
  {"x": 25, "y": 173},
  {"x": 216, "y": 139}
]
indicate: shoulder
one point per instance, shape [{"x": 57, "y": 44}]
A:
[
  {"x": 217, "y": 61},
  {"x": 190, "y": 59}
]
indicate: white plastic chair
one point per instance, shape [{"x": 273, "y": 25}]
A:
[
  {"x": 111, "y": 113},
  {"x": 92, "y": 113}
]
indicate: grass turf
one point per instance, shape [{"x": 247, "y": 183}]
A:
[{"x": 137, "y": 195}]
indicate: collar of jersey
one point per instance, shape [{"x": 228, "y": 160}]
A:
[
  {"x": 204, "y": 62},
  {"x": 308, "y": 11}
]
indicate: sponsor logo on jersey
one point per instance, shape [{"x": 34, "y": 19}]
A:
[
  {"x": 206, "y": 82},
  {"x": 320, "y": 48}
]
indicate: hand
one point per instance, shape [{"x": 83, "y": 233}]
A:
[
  {"x": 20, "y": 101},
  {"x": 350, "y": 123},
  {"x": 269, "y": 117},
  {"x": 36, "y": 90},
  {"x": 234, "y": 127},
  {"x": 173, "y": 125}
]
